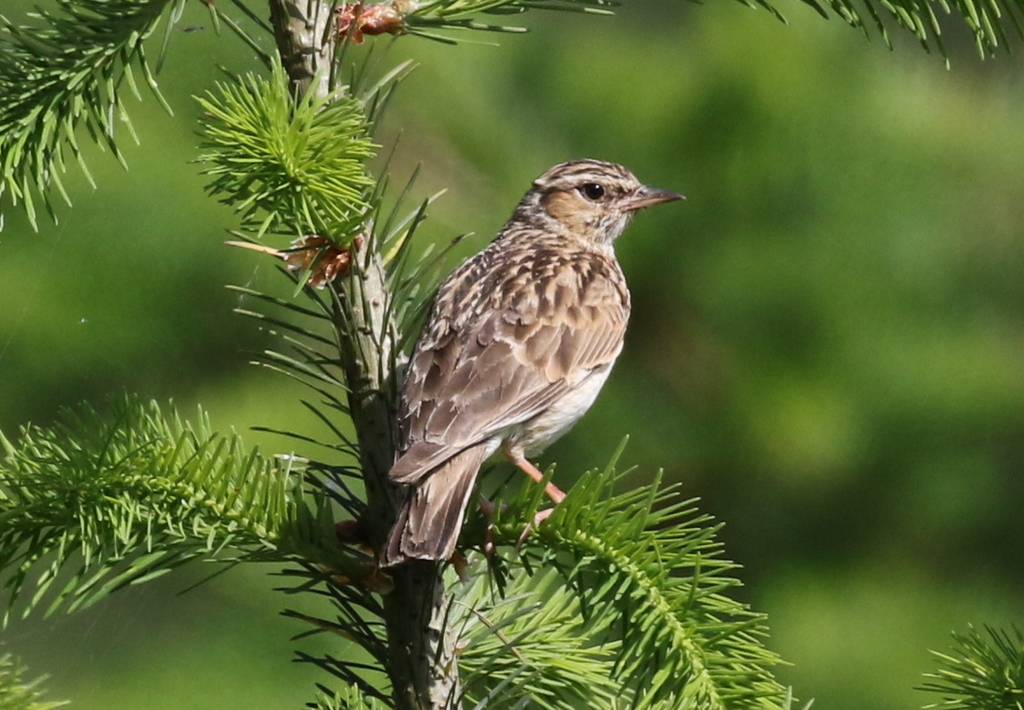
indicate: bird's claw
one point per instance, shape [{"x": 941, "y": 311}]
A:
[{"x": 539, "y": 517}]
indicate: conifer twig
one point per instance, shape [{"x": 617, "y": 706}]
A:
[{"x": 423, "y": 666}]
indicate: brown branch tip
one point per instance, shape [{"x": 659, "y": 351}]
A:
[
  {"x": 384, "y": 18},
  {"x": 325, "y": 260}
]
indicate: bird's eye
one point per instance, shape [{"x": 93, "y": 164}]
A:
[{"x": 592, "y": 191}]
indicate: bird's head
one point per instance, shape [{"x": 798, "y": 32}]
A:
[{"x": 589, "y": 200}]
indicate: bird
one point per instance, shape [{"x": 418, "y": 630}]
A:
[{"x": 518, "y": 342}]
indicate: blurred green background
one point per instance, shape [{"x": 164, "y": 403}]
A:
[{"x": 826, "y": 344}]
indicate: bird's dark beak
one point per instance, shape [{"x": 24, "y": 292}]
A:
[{"x": 650, "y": 196}]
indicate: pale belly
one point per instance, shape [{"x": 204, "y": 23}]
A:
[{"x": 546, "y": 428}]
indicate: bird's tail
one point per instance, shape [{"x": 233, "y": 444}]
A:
[{"x": 429, "y": 523}]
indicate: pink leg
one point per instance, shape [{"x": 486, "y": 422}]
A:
[{"x": 554, "y": 492}]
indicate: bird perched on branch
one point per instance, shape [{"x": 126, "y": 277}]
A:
[{"x": 518, "y": 343}]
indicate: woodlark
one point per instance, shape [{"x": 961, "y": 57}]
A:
[{"x": 518, "y": 343}]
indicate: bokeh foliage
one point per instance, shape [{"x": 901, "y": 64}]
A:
[
  {"x": 983, "y": 671},
  {"x": 18, "y": 694},
  {"x": 826, "y": 340}
]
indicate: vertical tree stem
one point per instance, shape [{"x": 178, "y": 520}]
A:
[
  {"x": 423, "y": 665},
  {"x": 306, "y": 47}
]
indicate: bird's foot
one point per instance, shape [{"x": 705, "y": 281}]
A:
[{"x": 539, "y": 517}]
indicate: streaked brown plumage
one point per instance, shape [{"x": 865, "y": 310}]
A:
[{"x": 519, "y": 341}]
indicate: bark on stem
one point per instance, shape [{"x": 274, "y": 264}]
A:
[
  {"x": 423, "y": 666},
  {"x": 306, "y": 47}
]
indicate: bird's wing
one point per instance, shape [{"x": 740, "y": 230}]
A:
[{"x": 474, "y": 375}]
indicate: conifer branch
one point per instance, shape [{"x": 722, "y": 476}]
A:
[
  {"x": 287, "y": 166},
  {"x": 348, "y": 698},
  {"x": 983, "y": 672},
  {"x": 531, "y": 645},
  {"x": 70, "y": 72},
  {"x": 18, "y": 694},
  {"x": 421, "y": 662},
  {"x": 649, "y": 573},
  {"x": 991, "y": 22},
  {"x": 93, "y": 504}
]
